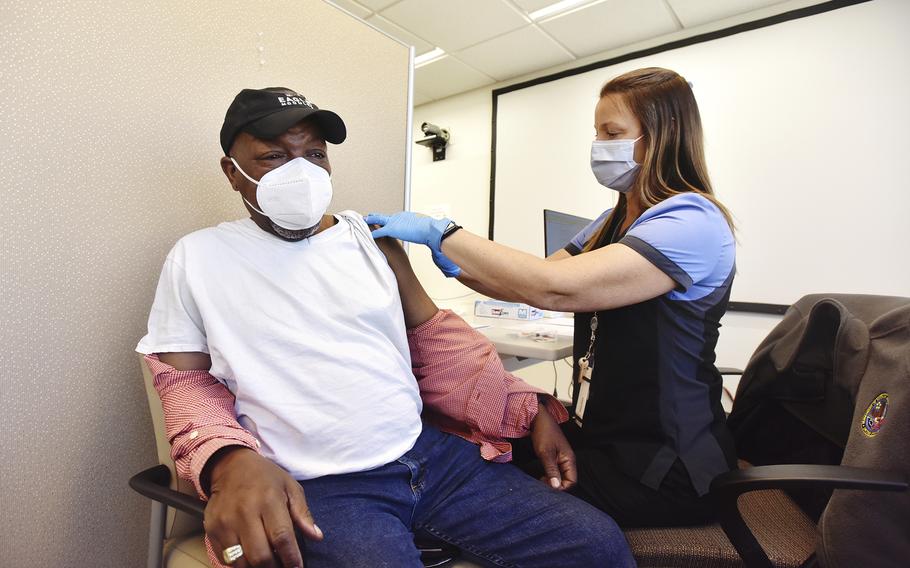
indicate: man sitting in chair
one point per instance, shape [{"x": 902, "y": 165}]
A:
[{"x": 285, "y": 349}]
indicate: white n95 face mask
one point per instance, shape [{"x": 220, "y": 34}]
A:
[
  {"x": 294, "y": 195},
  {"x": 613, "y": 164}
]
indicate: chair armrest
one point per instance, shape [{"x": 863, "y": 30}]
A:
[
  {"x": 727, "y": 487},
  {"x": 154, "y": 483},
  {"x": 729, "y": 371},
  {"x": 794, "y": 476}
]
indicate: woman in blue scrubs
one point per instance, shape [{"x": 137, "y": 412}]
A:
[{"x": 648, "y": 281}]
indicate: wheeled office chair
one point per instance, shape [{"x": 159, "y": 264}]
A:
[
  {"x": 812, "y": 395},
  {"x": 176, "y": 535}
]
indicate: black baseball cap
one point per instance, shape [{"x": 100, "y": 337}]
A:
[{"x": 268, "y": 113}]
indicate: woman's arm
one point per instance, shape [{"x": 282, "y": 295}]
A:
[
  {"x": 605, "y": 278},
  {"x": 613, "y": 276},
  {"x": 478, "y": 286}
]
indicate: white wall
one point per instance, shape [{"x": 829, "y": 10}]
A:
[{"x": 459, "y": 185}]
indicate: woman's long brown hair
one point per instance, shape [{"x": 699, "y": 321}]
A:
[{"x": 674, "y": 160}]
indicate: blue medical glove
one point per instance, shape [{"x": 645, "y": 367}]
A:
[
  {"x": 411, "y": 227},
  {"x": 445, "y": 264}
]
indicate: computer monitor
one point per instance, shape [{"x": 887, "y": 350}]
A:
[{"x": 559, "y": 228}]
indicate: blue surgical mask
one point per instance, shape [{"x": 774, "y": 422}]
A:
[{"x": 613, "y": 164}]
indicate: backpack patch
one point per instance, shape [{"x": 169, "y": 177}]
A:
[{"x": 874, "y": 418}]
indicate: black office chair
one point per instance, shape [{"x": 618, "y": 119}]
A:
[{"x": 829, "y": 482}]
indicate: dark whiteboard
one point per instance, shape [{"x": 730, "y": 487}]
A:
[{"x": 807, "y": 126}]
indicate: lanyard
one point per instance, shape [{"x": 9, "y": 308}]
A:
[
  {"x": 585, "y": 369},
  {"x": 585, "y": 361}
]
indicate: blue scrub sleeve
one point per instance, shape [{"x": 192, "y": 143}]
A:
[
  {"x": 685, "y": 236},
  {"x": 578, "y": 241}
]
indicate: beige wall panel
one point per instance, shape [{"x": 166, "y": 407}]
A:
[{"x": 109, "y": 120}]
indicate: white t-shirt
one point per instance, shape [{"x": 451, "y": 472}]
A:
[{"x": 308, "y": 336}]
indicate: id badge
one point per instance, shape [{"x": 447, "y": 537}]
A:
[{"x": 584, "y": 377}]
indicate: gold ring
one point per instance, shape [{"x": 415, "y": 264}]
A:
[{"x": 232, "y": 553}]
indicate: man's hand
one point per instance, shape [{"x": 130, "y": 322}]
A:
[
  {"x": 553, "y": 451},
  {"x": 255, "y": 503}
]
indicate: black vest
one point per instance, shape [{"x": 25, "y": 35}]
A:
[{"x": 655, "y": 392}]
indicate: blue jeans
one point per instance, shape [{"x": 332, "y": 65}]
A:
[{"x": 443, "y": 487}]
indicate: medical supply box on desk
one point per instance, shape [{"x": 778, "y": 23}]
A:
[{"x": 506, "y": 310}]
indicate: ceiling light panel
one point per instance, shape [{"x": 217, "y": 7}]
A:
[
  {"x": 531, "y": 5},
  {"x": 557, "y": 8},
  {"x": 428, "y": 57}
]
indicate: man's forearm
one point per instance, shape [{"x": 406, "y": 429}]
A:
[
  {"x": 199, "y": 418},
  {"x": 461, "y": 378}
]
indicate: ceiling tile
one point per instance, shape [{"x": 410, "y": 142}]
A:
[
  {"x": 377, "y": 5},
  {"x": 522, "y": 51},
  {"x": 610, "y": 24},
  {"x": 455, "y": 25},
  {"x": 388, "y": 27},
  {"x": 531, "y": 5},
  {"x": 353, "y": 7},
  {"x": 447, "y": 76},
  {"x": 695, "y": 12},
  {"x": 420, "y": 98}
]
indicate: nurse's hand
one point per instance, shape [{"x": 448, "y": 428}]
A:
[
  {"x": 445, "y": 264},
  {"x": 553, "y": 451},
  {"x": 411, "y": 227}
]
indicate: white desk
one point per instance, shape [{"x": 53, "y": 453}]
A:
[{"x": 515, "y": 351}]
